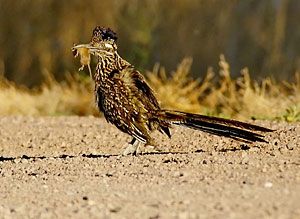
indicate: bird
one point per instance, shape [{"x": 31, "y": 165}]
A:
[{"x": 128, "y": 102}]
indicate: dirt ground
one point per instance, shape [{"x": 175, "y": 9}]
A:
[{"x": 69, "y": 167}]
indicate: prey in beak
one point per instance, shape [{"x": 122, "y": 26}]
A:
[{"x": 84, "y": 53}]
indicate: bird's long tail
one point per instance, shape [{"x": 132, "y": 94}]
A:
[{"x": 214, "y": 125}]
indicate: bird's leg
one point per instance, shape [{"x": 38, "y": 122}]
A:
[{"x": 132, "y": 148}]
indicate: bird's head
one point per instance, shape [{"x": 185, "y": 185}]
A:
[
  {"x": 103, "y": 44},
  {"x": 104, "y": 38}
]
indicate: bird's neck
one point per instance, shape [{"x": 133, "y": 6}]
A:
[{"x": 107, "y": 63}]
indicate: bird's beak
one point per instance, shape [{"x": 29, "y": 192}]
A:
[
  {"x": 93, "y": 48},
  {"x": 86, "y": 46},
  {"x": 81, "y": 46}
]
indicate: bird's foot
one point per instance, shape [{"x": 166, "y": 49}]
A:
[{"x": 132, "y": 149}]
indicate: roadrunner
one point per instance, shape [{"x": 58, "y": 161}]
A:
[{"x": 128, "y": 102}]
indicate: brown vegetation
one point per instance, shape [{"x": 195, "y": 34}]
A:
[
  {"x": 216, "y": 94},
  {"x": 36, "y": 39}
]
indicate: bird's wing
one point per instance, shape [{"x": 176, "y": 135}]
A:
[
  {"x": 136, "y": 101},
  {"x": 145, "y": 98},
  {"x": 135, "y": 83}
]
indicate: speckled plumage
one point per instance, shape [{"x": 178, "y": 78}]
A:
[
  {"x": 125, "y": 98},
  {"x": 129, "y": 103}
]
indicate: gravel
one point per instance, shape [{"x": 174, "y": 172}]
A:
[{"x": 70, "y": 167}]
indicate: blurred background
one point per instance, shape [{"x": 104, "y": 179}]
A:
[{"x": 36, "y": 35}]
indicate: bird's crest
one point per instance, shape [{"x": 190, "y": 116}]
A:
[{"x": 102, "y": 33}]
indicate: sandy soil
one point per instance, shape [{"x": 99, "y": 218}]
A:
[{"x": 68, "y": 167}]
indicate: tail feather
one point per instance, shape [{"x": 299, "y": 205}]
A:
[
  {"x": 217, "y": 126},
  {"x": 225, "y": 131}
]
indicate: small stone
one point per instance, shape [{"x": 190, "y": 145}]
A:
[
  {"x": 109, "y": 174},
  {"x": 115, "y": 209},
  {"x": 268, "y": 185},
  {"x": 24, "y": 161},
  {"x": 178, "y": 174},
  {"x": 254, "y": 149},
  {"x": 245, "y": 160},
  {"x": 290, "y": 146},
  {"x": 90, "y": 202},
  {"x": 275, "y": 141},
  {"x": 264, "y": 169},
  {"x": 17, "y": 160}
]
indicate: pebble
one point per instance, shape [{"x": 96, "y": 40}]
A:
[
  {"x": 290, "y": 146},
  {"x": 268, "y": 185},
  {"x": 178, "y": 174},
  {"x": 114, "y": 209}
]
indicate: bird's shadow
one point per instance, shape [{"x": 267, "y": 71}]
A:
[
  {"x": 95, "y": 156},
  {"x": 63, "y": 156},
  {"x": 241, "y": 148},
  {"x": 89, "y": 156}
]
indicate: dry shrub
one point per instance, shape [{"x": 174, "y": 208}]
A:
[
  {"x": 179, "y": 91},
  {"x": 216, "y": 94},
  {"x": 70, "y": 97},
  {"x": 221, "y": 95}
]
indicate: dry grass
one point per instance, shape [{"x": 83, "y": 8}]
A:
[
  {"x": 244, "y": 97},
  {"x": 219, "y": 94},
  {"x": 216, "y": 94},
  {"x": 52, "y": 98}
]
